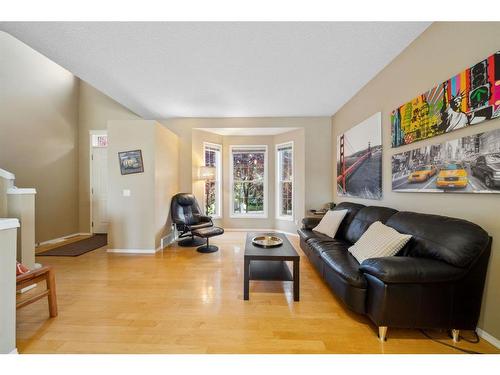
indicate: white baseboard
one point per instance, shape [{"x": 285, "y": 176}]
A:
[
  {"x": 61, "y": 239},
  {"x": 132, "y": 251},
  {"x": 14, "y": 351},
  {"x": 259, "y": 230},
  {"x": 491, "y": 339}
]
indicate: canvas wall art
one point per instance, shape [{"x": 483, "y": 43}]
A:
[
  {"x": 470, "y": 97},
  {"x": 464, "y": 165},
  {"x": 359, "y": 160}
]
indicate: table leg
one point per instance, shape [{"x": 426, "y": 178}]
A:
[
  {"x": 246, "y": 281},
  {"x": 296, "y": 280}
]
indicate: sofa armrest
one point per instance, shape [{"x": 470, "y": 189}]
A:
[
  {"x": 310, "y": 222},
  {"x": 400, "y": 269}
]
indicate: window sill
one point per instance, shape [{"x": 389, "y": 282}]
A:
[
  {"x": 284, "y": 218},
  {"x": 248, "y": 216}
]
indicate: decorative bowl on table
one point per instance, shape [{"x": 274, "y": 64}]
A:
[{"x": 267, "y": 240}]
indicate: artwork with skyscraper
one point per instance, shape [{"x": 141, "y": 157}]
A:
[
  {"x": 469, "y": 164},
  {"x": 470, "y": 97}
]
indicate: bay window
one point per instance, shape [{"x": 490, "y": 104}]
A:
[
  {"x": 248, "y": 171},
  {"x": 213, "y": 188},
  {"x": 284, "y": 181}
]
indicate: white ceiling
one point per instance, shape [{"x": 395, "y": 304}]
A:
[
  {"x": 167, "y": 69},
  {"x": 247, "y": 131}
]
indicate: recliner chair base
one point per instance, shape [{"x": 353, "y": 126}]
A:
[
  {"x": 191, "y": 242},
  {"x": 207, "y": 249}
]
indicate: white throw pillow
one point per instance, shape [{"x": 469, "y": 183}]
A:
[
  {"x": 379, "y": 240},
  {"x": 330, "y": 223}
]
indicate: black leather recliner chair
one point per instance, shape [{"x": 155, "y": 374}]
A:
[
  {"x": 187, "y": 216},
  {"x": 435, "y": 281}
]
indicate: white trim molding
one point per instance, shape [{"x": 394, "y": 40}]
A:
[
  {"x": 9, "y": 224},
  {"x": 133, "y": 251},
  {"x": 20, "y": 191},
  {"x": 61, "y": 239},
  {"x": 14, "y": 351},
  {"x": 259, "y": 230},
  {"x": 277, "y": 171},
  {"x": 91, "y": 182},
  {"x": 486, "y": 336},
  {"x": 7, "y": 175},
  {"x": 219, "y": 199}
]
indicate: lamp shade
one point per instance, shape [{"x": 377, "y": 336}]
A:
[{"x": 206, "y": 173}]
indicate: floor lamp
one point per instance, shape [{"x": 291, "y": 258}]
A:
[{"x": 206, "y": 174}]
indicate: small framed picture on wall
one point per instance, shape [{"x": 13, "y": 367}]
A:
[{"x": 131, "y": 162}]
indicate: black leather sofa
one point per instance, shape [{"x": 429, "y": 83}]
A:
[{"x": 435, "y": 281}]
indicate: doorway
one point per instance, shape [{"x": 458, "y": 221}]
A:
[{"x": 98, "y": 181}]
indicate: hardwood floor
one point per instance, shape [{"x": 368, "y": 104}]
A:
[{"x": 181, "y": 301}]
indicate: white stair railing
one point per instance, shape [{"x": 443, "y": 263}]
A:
[
  {"x": 6, "y": 182},
  {"x": 20, "y": 204}
]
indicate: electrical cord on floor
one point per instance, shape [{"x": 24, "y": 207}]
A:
[
  {"x": 451, "y": 346},
  {"x": 475, "y": 341}
]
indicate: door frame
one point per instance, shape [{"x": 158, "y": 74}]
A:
[{"x": 91, "y": 182}]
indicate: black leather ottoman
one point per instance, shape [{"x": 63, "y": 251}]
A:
[{"x": 207, "y": 233}]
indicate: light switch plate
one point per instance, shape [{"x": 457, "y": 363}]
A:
[{"x": 126, "y": 192}]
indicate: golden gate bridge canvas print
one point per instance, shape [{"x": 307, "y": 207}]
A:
[{"x": 359, "y": 160}]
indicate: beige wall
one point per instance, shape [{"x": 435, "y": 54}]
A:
[
  {"x": 443, "y": 50},
  {"x": 38, "y": 134},
  {"x": 166, "y": 179},
  {"x": 138, "y": 222},
  {"x": 317, "y": 149},
  {"x": 131, "y": 219},
  {"x": 95, "y": 110}
]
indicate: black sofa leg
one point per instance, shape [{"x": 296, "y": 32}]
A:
[{"x": 207, "y": 248}]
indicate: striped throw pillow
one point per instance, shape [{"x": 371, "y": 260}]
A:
[{"x": 378, "y": 241}]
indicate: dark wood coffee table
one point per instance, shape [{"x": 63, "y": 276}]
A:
[{"x": 269, "y": 264}]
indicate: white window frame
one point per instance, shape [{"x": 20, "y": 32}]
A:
[
  {"x": 218, "y": 180},
  {"x": 231, "y": 182},
  {"x": 279, "y": 216}
]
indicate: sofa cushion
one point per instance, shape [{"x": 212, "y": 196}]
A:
[
  {"x": 319, "y": 245},
  {"x": 345, "y": 265},
  {"x": 454, "y": 241},
  {"x": 307, "y": 234},
  {"x": 352, "y": 210},
  {"x": 366, "y": 217}
]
